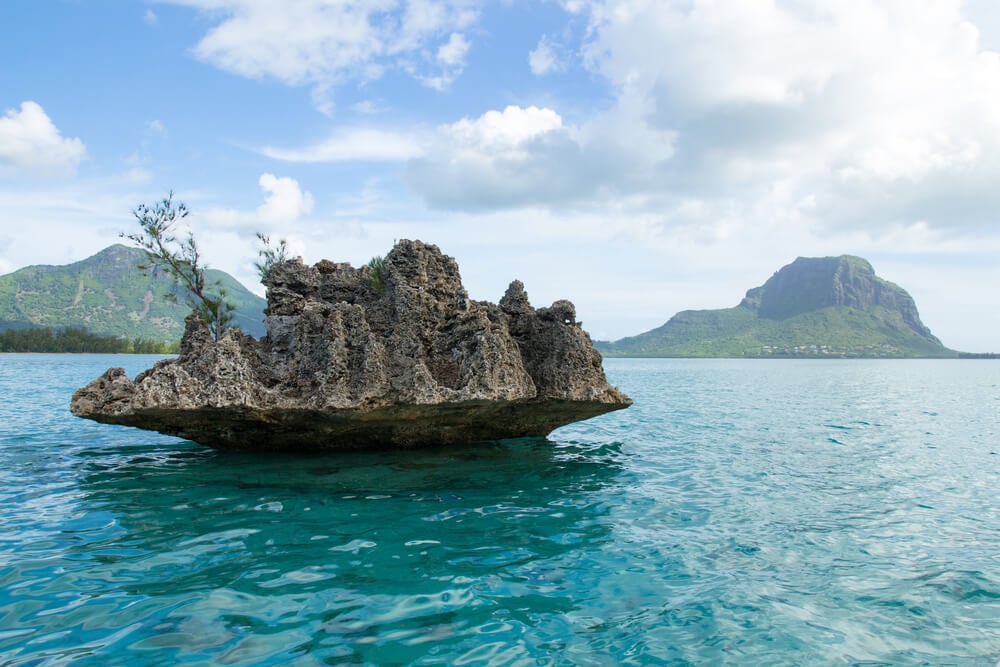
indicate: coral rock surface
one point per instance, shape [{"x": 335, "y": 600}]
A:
[{"x": 348, "y": 363}]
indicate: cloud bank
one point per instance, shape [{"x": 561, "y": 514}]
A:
[
  {"x": 862, "y": 115},
  {"x": 323, "y": 43},
  {"x": 31, "y": 144},
  {"x": 866, "y": 113}
]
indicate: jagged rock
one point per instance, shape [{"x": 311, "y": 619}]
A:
[{"x": 348, "y": 364}]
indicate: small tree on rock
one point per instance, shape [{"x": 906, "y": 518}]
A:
[
  {"x": 376, "y": 275},
  {"x": 181, "y": 259},
  {"x": 269, "y": 255}
]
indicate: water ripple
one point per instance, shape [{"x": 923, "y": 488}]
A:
[{"x": 740, "y": 513}]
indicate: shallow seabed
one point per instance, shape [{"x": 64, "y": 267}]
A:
[{"x": 741, "y": 512}]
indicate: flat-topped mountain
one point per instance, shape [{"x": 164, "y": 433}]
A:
[
  {"x": 109, "y": 294},
  {"x": 815, "y": 306}
]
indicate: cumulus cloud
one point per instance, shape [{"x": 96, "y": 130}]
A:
[
  {"x": 31, "y": 143},
  {"x": 325, "y": 42},
  {"x": 512, "y": 137},
  {"x": 450, "y": 61},
  {"x": 856, "y": 113},
  {"x": 527, "y": 156},
  {"x": 501, "y": 159},
  {"x": 498, "y": 160},
  {"x": 505, "y": 133},
  {"x": 802, "y": 112},
  {"x": 285, "y": 203}
]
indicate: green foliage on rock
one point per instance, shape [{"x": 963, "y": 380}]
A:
[
  {"x": 376, "y": 275},
  {"x": 268, "y": 255},
  {"x": 180, "y": 259}
]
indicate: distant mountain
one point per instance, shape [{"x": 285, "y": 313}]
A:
[
  {"x": 814, "y": 307},
  {"x": 108, "y": 294}
]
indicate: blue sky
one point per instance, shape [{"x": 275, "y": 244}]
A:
[{"x": 637, "y": 157}]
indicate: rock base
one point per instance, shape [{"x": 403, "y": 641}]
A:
[{"x": 392, "y": 427}]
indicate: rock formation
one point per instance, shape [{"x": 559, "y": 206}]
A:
[{"x": 355, "y": 360}]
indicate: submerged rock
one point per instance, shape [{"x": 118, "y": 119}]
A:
[{"x": 351, "y": 362}]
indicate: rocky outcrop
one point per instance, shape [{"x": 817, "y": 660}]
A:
[{"x": 354, "y": 360}]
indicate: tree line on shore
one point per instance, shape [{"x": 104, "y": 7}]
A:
[{"x": 78, "y": 340}]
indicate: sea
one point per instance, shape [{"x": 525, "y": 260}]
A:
[{"x": 741, "y": 512}]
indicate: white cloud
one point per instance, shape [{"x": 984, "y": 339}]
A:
[
  {"x": 452, "y": 53},
  {"x": 451, "y": 60},
  {"x": 527, "y": 156},
  {"x": 150, "y": 17},
  {"x": 503, "y": 132},
  {"x": 286, "y": 201},
  {"x": 324, "y": 42},
  {"x": 31, "y": 143},
  {"x": 499, "y": 160},
  {"x": 429, "y": 20},
  {"x": 285, "y": 204},
  {"x": 354, "y": 144},
  {"x": 542, "y": 59},
  {"x": 864, "y": 113}
]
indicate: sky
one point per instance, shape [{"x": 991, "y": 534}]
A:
[{"x": 638, "y": 157}]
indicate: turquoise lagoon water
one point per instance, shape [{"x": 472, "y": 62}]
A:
[{"x": 741, "y": 512}]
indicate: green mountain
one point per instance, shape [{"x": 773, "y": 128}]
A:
[
  {"x": 814, "y": 307},
  {"x": 108, "y": 294}
]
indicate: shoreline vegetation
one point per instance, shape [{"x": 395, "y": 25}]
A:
[
  {"x": 77, "y": 340},
  {"x": 713, "y": 349},
  {"x": 813, "y": 308}
]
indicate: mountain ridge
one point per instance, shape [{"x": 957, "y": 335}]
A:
[
  {"x": 812, "y": 307},
  {"x": 108, "y": 294}
]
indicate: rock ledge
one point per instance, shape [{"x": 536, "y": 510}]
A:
[{"x": 347, "y": 366}]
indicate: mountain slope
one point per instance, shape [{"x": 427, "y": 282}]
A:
[
  {"x": 826, "y": 306},
  {"x": 108, "y": 294}
]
